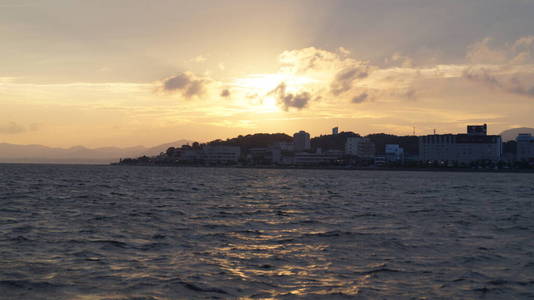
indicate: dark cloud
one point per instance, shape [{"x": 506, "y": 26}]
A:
[
  {"x": 512, "y": 84},
  {"x": 290, "y": 100},
  {"x": 345, "y": 78},
  {"x": 225, "y": 93},
  {"x": 360, "y": 98},
  {"x": 186, "y": 84}
]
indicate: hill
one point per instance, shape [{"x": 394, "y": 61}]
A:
[
  {"x": 511, "y": 134},
  {"x": 11, "y": 153}
]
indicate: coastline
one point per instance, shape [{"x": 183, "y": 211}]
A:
[{"x": 343, "y": 168}]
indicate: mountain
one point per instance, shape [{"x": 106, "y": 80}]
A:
[
  {"x": 511, "y": 134},
  {"x": 163, "y": 147},
  {"x": 10, "y": 153}
]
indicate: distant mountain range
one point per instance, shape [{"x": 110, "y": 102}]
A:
[
  {"x": 511, "y": 134},
  {"x": 10, "y": 153}
]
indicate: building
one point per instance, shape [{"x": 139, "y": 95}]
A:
[
  {"x": 301, "y": 141},
  {"x": 380, "y": 160},
  {"x": 479, "y": 130},
  {"x": 284, "y": 146},
  {"x": 474, "y": 146},
  {"x": 394, "y": 153},
  {"x": 190, "y": 155},
  {"x": 328, "y": 157},
  {"x": 361, "y": 147},
  {"x": 525, "y": 147},
  {"x": 261, "y": 156},
  {"x": 221, "y": 154},
  {"x": 335, "y": 130}
]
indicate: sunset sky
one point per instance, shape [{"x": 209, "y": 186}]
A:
[{"x": 128, "y": 72}]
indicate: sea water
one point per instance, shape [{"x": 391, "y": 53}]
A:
[{"x": 103, "y": 232}]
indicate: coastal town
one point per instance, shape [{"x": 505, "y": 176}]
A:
[{"x": 472, "y": 149}]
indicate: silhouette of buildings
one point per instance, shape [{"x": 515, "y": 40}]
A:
[
  {"x": 525, "y": 147},
  {"x": 394, "y": 153},
  {"x": 474, "y": 146},
  {"x": 221, "y": 154},
  {"x": 330, "y": 157},
  {"x": 301, "y": 141},
  {"x": 360, "y": 147},
  {"x": 479, "y": 130},
  {"x": 210, "y": 154}
]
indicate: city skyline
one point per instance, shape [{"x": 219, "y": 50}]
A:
[{"x": 111, "y": 73}]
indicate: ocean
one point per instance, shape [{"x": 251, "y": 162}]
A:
[{"x": 109, "y": 232}]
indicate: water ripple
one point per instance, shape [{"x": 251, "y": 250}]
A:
[{"x": 99, "y": 232}]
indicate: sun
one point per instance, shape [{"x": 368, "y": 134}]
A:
[
  {"x": 261, "y": 86},
  {"x": 264, "y": 83},
  {"x": 269, "y": 104}
]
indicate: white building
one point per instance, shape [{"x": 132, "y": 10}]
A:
[
  {"x": 301, "y": 141},
  {"x": 525, "y": 147},
  {"x": 474, "y": 146},
  {"x": 221, "y": 154},
  {"x": 361, "y": 147},
  {"x": 282, "y": 153},
  {"x": 394, "y": 153},
  {"x": 328, "y": 157}
]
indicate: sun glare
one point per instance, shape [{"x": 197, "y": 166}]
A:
[
  {"x": 264, "y": 83},
  {"x": 261, "y": 86},
  {"x": 269, "y": 104}
]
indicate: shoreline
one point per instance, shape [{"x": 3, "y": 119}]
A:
[{"x": 340, "y": 168}]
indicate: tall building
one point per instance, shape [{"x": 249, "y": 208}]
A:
[
  {"x": 335, "y": 130},
  {"x": 301, "y": 141},
  {"x": 525, "y": 147},
  {"x": 476, "y": 145},
  {"x": 361, "y": 147}
]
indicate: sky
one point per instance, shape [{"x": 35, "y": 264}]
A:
[{"x": 130, "y": 72}]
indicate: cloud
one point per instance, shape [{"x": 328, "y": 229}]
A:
[
  {"x": 200, "y": 59},
  {"x": 186, "y": 83},
  {"x": 333, "y": 73},
  {"x": 14, "y": 128},
  {"x": 225, "y": 93},
  {"x": 482, "y": 52},
  {"x": 485, "y": 51},
  {"x": 290, "y": 100},
  {"x": 410, "y": 93},
  {"x": 360, "y": 98},
  {"x": 399, "y": 60},
  {"x": 523, "y": 49},
  {"x": 344, "y": 51},
  {"x": 481, "y": 75},
  {"x": 517, "y": 83},
  {"x": 312, "y": 60},
  {"x": 344, "y": 79}
]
